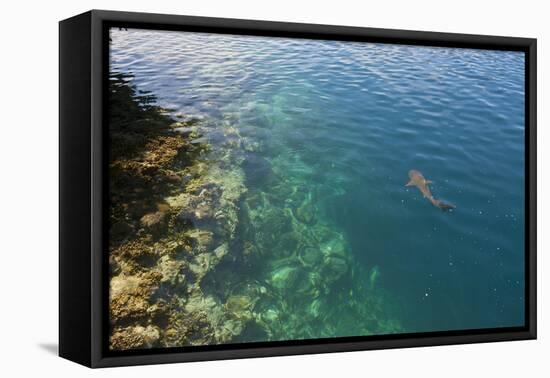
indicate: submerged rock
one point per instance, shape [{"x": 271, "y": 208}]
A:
[
  {"x": 202, "y": 239},
  {"x": 153, "y": 219},
  {"x": 171, "y": 270},
  {"x": 284, "y": 275},
  {"x": 271, "y": 315},
  {"x": 310, "y": 256},
  {"x": 335, "y": 246},
  {"x": 271, "y": 223},
  {"x": 221, "y": 251},
  {"x": 129, "y": 296},
  {"x": 135, "y": 337},
  {"x": 286, "y": 245},
  {"x": 316, "y": 308},
  {"x": 334, "y": 267},
  {"x": 310, "y": 285},
  {"x": 228, "y": 330},
  {"x": 239, "y": 306},
  {"x": 305, "y": 213},
  {"x": 195, "y": 210}
]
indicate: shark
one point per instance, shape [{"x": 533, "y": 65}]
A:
[{"x": 418, "y": 180}]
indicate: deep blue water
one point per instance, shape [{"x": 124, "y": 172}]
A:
[{"x": 346, "y": 122}]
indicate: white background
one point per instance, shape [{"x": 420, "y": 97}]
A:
[{"x": 29, "y": 189}]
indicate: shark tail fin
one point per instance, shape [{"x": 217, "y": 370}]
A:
[{"x": 444, "y": 205}]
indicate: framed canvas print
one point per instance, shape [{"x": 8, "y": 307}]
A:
[{"x": 234, "y": 188}]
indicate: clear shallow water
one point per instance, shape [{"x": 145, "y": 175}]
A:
[{"x": 344, "y": 123}]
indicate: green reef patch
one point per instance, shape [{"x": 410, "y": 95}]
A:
[{"x": 210, "y": 242}]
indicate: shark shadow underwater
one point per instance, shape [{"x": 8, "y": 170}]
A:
[{"x": 418, "y": 180}]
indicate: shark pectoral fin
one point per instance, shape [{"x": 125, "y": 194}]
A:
[
  {"x": 410, "y": 183},
  {"x": 429, "y": 182}
]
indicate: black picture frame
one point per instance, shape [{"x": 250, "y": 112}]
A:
[{"x": 83, "y": 265}]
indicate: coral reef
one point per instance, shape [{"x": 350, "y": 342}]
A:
[
  {"x": 172, "y": 216},
  {"x": 212, "y": 243}
]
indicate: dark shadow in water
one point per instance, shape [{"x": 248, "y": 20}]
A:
[
  {"x": 258, "y": 169},
  {"x": 51, "y": 348},
  {"x": 133, "y": 117}
]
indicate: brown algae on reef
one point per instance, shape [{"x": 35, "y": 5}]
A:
[{"x": 198, "y": 257}]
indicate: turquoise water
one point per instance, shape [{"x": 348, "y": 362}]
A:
[{"x": 330, "y": 131}]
